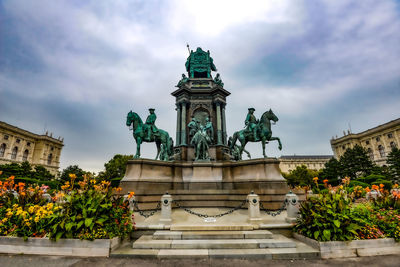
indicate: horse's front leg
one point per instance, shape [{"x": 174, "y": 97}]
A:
[
  {"x": 279, "y": 141},
  {"x": 138, "y": 143}
]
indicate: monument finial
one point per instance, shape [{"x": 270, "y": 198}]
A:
[{"x": 187, "y": 45}]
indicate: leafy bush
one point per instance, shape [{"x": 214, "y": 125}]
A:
[
  {"x": 354, "y": 183},
  {"x": 327, "y": 217},
  {"x": 371, "y": 178}
]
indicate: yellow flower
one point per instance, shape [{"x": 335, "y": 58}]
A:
[
  {"x": 50, "y": 213},
  {"x": 9, "y": 213},
  {"x": 72, "y": 175},
  {"x": 4, "y": 220},
  {"x": 31, "y": 209},
  {"x": 37, "y": 219},
  {"x": 49, "y": 206}
]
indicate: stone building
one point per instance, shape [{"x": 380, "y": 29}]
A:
[
  {"x": 313, "y": 162},
  {"x": 378, "y": 141},
  {"x": 18, "y": 145}
]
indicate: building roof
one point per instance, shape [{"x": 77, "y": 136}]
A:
[
  {"x": 306, "y": 157},
  {"x": 373, "y": 130},
  {"x": 13, "y": 128}
]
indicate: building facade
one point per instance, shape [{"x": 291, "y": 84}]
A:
[
  {"x": 312, "y": 162},
  {"x": 378, "y": 141},
  {"x": 18, "y": 145}
]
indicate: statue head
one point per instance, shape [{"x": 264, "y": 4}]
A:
[
  {"x": 251, "y": 110},
  {"x": 207, "y": 119},
  {"x": 151, "y": 110}
]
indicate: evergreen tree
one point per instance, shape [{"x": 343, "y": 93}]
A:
[
  {"x": 355, "y": 162},
  {"x": 393, "y": 160},
  {"x": 331, "y": 171},
  {"x": 301, "y": 176}
]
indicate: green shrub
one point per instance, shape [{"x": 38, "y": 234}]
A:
[
  {"x": 355, "y": 183},
  {"x": 30, "y": 181},
  {"x": 327, "y": 218},
  {"x": 371, "y": 178}
]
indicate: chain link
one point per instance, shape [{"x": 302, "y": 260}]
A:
[
  {"x": 146, "y": 215},
  {"x": 201, "y": 215},
  {"x": 271, "y": 212}
]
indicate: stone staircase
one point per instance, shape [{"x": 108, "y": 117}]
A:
[{"x": 216, "y": 243}]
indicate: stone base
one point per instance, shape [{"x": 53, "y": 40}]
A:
[{"x": 205, "y": 184}]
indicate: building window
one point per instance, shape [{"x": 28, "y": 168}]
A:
[
  {"x": 344, "y": 147},
  {"x": 378, "y": 139},
  {"x": 51, "y": 148},
  {"x": 381, "y": 151},
  {"x": 49, "y": 159},
  {"x": 18, "y": 141},
  {"x": 5, "y": 137},
  {"x": 367, "y": 142},
  {"x": 370, "y": 153},
  {"x": 14, "y": 153},
  {"x": 25, "y": 155},
  {"x": 390, "y": 135},
  {"x": 392, "y": 144},
  {"x": 2, "y": 150},
  {"x": 28, "y": 144}
]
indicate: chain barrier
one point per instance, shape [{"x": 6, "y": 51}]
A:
[
  {"x": 150, "y": 212},
  {"x": 210, "y": 216},
  {"x": 272, "y": 212}
]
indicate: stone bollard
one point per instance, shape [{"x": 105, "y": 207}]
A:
[
  {"x": 292, "y": 207},
  {"x": 166, "y": 204},
  {"x": 254, "y": 207}
]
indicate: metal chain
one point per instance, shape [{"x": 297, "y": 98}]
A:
[
  {"x": 271, "y": 212},
  {"x": 146, "y": 215},
  {"x": 210, "y": 216}
]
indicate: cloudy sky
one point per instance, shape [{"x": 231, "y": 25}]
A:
[{"x": 75, "y": 68}]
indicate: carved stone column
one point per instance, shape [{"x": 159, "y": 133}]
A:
[
  {"x": 178, "y": 124},
  {"x": 183, "y": 124},
  {"x": 219, "y": 128}
]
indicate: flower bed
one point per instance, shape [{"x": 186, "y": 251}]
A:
[
  {"x": 338, "y": 226},
  {"x": 89, "y": 210}
]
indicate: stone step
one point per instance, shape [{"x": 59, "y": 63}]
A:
[
  {"x": 147, "y": 242},
  {"x": 302, "y": 251},
  {"x": 176, "y": 235},
  {"x": 218, "y": 227}
]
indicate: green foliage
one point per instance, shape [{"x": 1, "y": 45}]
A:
[
  {"x": 393, "y": 160},
  {"x": 355, "y": 162},
  {"x": 24, "y": 169},
  {"x": 301, "y": 176},
  {"x": 327, "y": 217},
  {"x": 29, "y": 181},
  {"x": 354, "y": 183},
  {"x": 115, "y": 167},
  {"x": 331, "y": 171},
  {"x": 72, "y": 169},
  {"x": 371, "y": 178}
]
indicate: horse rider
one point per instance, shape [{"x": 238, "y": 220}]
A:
[
  {"x": 251, "y": 123},
  {"x": 151, "y": 119}
]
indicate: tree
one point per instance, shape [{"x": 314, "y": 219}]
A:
[
  {"x": 301, "y": 176},
  {"x": 72, "y": 169},
  {"x": 331, "y": 171},
  {"x": 355, "y": 162},
  {"x": 42, "y": 174},
  {"x": 115, "y": 168},
  {"x": 393, "y": 160}
]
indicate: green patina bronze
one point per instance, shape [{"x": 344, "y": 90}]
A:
[
  {"x": 235, "y": 150},
  {"x": 182, "y": 81},
  {"x": 218, "y": 80},
  {"x": 148, "y": 132},
  {"x": 201, "y": 136},
  {"x": 256, "y": 131},
  {"x": 199, "y": 64}
]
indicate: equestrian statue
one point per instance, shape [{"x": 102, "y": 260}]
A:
[
  {"x": 148, "y": 132},
  {"x": 256, "y": 131}
]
